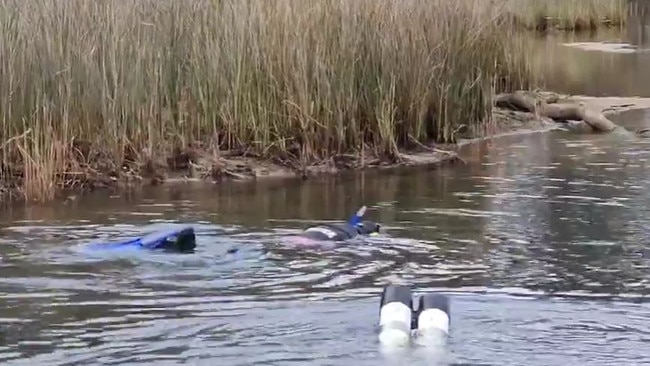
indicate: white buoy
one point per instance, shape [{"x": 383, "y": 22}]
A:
[
  {"x": 395, "y": 316},
  {"x": 432, "y": 322}
]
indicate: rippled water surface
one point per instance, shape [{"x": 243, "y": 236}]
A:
[{"x": 540, "y": 242}]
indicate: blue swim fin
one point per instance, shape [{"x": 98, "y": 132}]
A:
[{"x": 182, "y": 239}]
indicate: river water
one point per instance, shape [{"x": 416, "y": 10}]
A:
[
  {"x": 601, "y": 64},
  {"x": 540, "y": 242}
]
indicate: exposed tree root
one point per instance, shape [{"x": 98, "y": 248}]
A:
[{"x": 549, "y": 106}]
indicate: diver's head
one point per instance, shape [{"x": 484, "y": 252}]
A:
[{"x": 368, "y": 228}]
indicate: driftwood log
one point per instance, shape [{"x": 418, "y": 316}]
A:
[{"x": 559, "y": 112}]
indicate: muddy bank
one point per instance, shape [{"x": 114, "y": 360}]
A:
[{"x": 195, "y": 163}]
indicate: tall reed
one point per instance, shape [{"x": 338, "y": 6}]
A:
[
  {"x": 571, "y": 15},
  {"x": 140, "y": 77}
]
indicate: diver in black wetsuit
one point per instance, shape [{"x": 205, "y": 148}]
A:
[{"x": 341, "y": 232}]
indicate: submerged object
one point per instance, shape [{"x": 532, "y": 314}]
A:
[
  {"x": 399, "y": 321},
  {"x": 180, "y": 240}
]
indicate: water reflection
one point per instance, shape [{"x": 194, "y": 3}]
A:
[
  {"x": 571, "y": 70},
  {"x": 579, "y": 220},
  {"x": 597, "y": 73},
  {"x": 638, "y": 27}
]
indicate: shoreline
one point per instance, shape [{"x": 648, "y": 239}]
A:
[{"x": 199, "y": 165}]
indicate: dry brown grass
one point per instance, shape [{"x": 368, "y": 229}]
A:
[{"x": 131, "y": 80}]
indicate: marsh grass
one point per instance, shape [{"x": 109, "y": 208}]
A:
[
  {"x": 569, "y": 15},
  {"x": 109, "y": 85}
]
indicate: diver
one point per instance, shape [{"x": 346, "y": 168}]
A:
[{"x": 341, "y": 231}]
